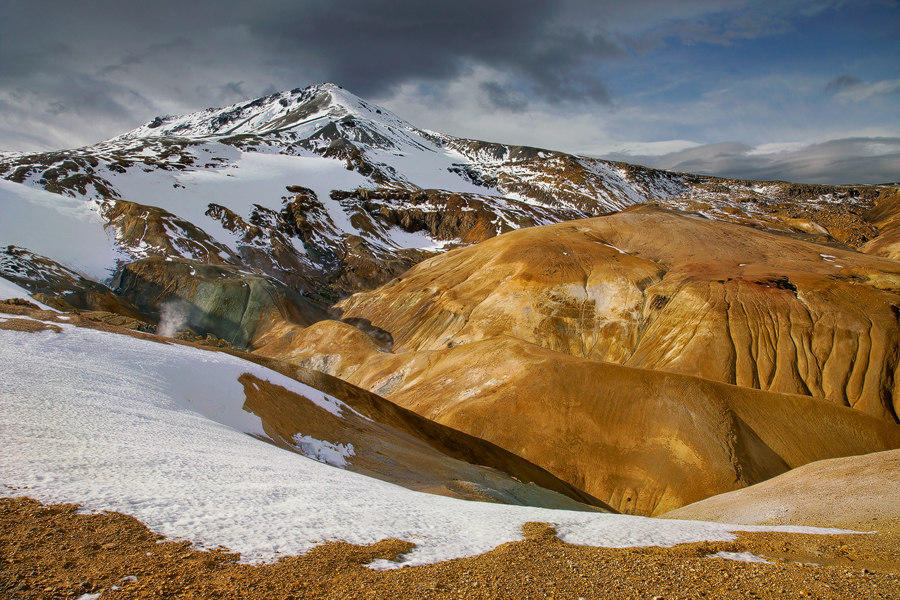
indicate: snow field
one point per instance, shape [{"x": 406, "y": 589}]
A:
[
  {"x": 155, "y": 431},
  {"x": 68, "y": 230}
]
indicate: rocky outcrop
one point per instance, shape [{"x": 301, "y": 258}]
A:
[
  {"x": 456, "y": 217},
  {"x": 562, "y": 181},
  {"x": 830, "y": 215},
  {"x": 152, "y": 231},
  {"x": 67, "y": 172},
  {"x": 116, "y": 320},
  {"x": 298, "y": 246},
  {"x": 19, "y": 302},
  {"x": 63, "y": 289}
]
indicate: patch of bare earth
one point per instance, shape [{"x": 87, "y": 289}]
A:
[
  {"x": 54, "y": 552},
  {"x": 28, "y": 326}
]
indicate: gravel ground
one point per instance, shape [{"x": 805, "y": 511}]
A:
[{"x": 54, "y": 552}]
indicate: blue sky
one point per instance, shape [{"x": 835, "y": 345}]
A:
[
  {"x": 776, "y": 82},
  {"x": 804, "y": 90}
]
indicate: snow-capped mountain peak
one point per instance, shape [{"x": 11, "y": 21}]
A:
[{"x": 282, "y": 112}]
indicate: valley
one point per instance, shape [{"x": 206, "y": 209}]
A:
[{"x": 301, "y": 320}]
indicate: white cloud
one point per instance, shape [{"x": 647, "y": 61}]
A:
[
  {"x": 841, "y": 161},
  {"x": 652, "y": 148},
  {"x": 777, "y": 148}
]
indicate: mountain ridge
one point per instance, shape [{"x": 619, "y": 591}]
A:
[{"x": 329, "y": 194}]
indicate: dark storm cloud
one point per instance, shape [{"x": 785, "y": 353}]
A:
[
  {"x": 17, "y": 63},
  {"x": 117, "y": 65},
  {"x": 501, "y": 97},
  {"x": 81, "y": 92},
  {"x": 152, "y": 52},
  {"x": 551, "y": 49},
  {"x": 62, "y": 57},
  {"x": 372, "y": 47},
  {"x": 233, "y": 89}
]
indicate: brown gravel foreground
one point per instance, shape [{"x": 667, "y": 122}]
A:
[{"x": 53, "y": 552}]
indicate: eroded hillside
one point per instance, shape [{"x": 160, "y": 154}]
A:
[
  {"x": 650, "y": 357},
  {"x": 669, "y": 291}
]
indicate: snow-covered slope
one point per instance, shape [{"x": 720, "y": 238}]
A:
[
  {"x": 70, "y": 229},
  {"x": 157, "y": 431},
  {"x": 9, "y": 290}
]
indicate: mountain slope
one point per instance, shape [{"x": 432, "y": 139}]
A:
[
  {"x": 857, "y": 492},
  {"x": 669, "y": 291},
  {"x": 670, "y": 297}
]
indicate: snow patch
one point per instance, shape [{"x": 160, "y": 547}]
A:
[
  {"x": 741, "y": 556},
  {"x": 335, "y": 455},
  {"x": 67, "y": 230},
  {"x": 401, "y": 238},
  {"x": 614, "y": 248}
]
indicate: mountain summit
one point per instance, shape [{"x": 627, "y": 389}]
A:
[{"x": 294, "y": 114}]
